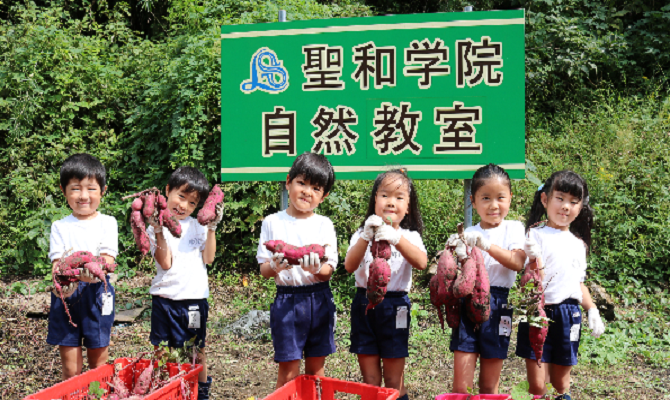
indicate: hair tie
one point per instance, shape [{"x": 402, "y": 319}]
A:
[{"x": 539, "y": 188}]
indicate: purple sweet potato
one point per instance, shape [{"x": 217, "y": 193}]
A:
[
  {"x": 139, "y": 231},
  {"x": 149, "y": 204},
  {"x": 144, "y": 380},
  {"x": 97, "y": 269},
  {"x": 119, "y": 386},
  {"x": 465, "y": 281},
  {"x": 381, "y": 249},
  {"x": 208, "y": 212},
  {"x": 435, "y": 298},
  {"x": 77, "y": 259},
  {"x": 137, "y": 204},
  {"x": 478, "y": 304},
  {"x": 169, "y": 221},
  {"x": 378, "y": 278},
  {"x": 293, "y": 254},
  {"x": 161, "y": 202},
  {"x": 448, "y": 262},
  {"x": 538, "y": 336}
]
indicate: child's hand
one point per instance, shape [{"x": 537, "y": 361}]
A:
[
  {"x": 88, "y": 277},
  {"x": 595, "y": 322},
  {"x": 155, "y": 223},
  {"x": 388, "y": 233},
  {"x": 532, "y": 249},
  {"x": 476, "y": 239},
  {"x": 311, "y": 263},
  {"x": 68, "y": 290},
  {"x": 278, "y": 264},
  {"x": 219, "y": 216},
  {"x": 373, "y": 221}
]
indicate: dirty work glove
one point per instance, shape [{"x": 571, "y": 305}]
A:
[
  {"x": 219, "y": 216},
  {"x": 453, "y": 240},
  {"x": 155, "y": 223},
  {"x": 87, "y": 276},
  {"x": 278, "y": 264},
  {"x": 388, "y": 233},
  {"x": 311, "y": 263},
  {"x": 532, "y": 249},
  {"x": 374, "y": 221},
  {"x": 595, "y": 322},
  {"x": 460, "y": 250},
  {"x": 476, "y": 239},
  {"x": 68, "y": 290}
]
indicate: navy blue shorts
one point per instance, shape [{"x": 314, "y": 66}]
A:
[
  {"x": 178, "y": 321},
  {"x": 562, "y": 343},
  {"x": 302, "y": 320},
  {"x": 85, "y": 305},
  {"x": 491, "y": 340},
  {"x": 377, "y": 333}
]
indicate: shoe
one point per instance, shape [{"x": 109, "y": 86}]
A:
[
  {"x": 203, "y": 389},
  {"x": 564, "y": 396}
]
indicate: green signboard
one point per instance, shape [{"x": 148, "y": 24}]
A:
[{"x": 441, "y": 94}]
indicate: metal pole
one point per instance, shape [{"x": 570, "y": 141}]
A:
[
  {"x": 467, "y": 183},
  {"x": 467, "y": 186},
  {"x": 284, "y": 192}
]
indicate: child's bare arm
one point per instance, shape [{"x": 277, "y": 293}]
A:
[
  {"x": 414, "y": 255},
  {"x": 510, "y": 259},
  {"x": 355, "y": 255},
  {"x": 210, "y": 248},
  {"x": 163, "y": 256}
]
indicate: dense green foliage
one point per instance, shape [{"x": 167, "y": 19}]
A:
[{"x": 137, "y": 85}]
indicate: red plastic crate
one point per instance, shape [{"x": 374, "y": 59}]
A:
[
  {"x": 308, "y": 387},
  {"x": 455, "y": 396},
  {"x": 493, "y": 397},
  {"x": 76, "y": 388}
]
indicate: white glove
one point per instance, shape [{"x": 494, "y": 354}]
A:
[
  {"x": 595, "y": 322},
  {"x": 373, "y": 221},
  {"x": 532, "y": 249},
  {"x": 388, "y": 233},
  {"x": 476, "y": 239},
  {"x": 87, "y": 276},
  {"x": 453, "y": 240},
  {"x": 461, "y": 251},
  {"x": 219, "y": 216},
  {"x": 311, "y": 263},
  {"x": 278, "y": 264},
  {"x": 68, "y": 290}
]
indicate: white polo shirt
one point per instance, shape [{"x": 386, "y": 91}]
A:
[{"x": 99, "y": 235}]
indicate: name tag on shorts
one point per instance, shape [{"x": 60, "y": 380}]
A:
[
  {"x": 401, "y": 318},
  {"x": 574, "y": 332},
  {"x": 505, "y": 327},
  {"x": 194, "y": 319},
  {"x": 107, "y": 304}
]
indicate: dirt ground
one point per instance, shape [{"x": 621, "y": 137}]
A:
[{"x": 242, "y": 369}]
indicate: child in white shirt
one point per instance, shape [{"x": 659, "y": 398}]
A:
[
  {"x": 83, "y": 182},
  {"x": 180, "y": 289},
  {"x": 380, "y": 335},
  {"x": 303, "y": 315},
  {"x": 560, "y": 247}
]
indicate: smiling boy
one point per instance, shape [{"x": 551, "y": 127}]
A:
[
  {"x": 180, "y": 289},
  {"x": 302, "y": 317},
  {"x": 83, "y": 182}
]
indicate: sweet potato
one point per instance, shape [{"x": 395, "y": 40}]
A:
[
  {"x": 137, "y": 204},
  {"x": 465, "y": 281},
  {"x": 538, "y": 335},
  {"x": 149, "y": 204},
  {"x": 292, "y": 253},
  {"x": 447, "y": 261},
  {"x": 76, "y": 259},
  {"x": 208, "y": 212},
  {"x": 119, "y": 386},
  {"x": 381, "y": 249},
  {"x": 139, "y": 232},
  {"x": 97, "y": 270},
  {"x": 435, "y": 298},
  {"x": 169, "y": 221},
  {"x": 113, "y": 396},
  {"x": 161, "y": 202},
  {"x": 478, "y": 304},
  {"x": 378, "y": 278},
  {"x": 144, "y": 380}
]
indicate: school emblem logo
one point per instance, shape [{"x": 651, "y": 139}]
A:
[{"x": 267, "y": 73}]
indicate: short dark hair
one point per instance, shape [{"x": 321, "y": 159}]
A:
[
  {"x": 413, "y": 220},
  {"x": 315, "y": 168},
  {"x": 194, "y": 180},
  {"x": 81, "y": 166}
]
